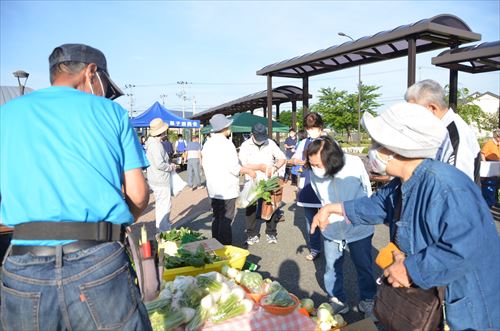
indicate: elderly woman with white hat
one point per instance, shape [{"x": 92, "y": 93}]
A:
[
  {"x": 444, "y": 228},
  {"x": 158, "y": 172}
]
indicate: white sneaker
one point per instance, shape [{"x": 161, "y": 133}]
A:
[
  {"x": 338, "y": 306},
  {"x": 366, "y": 306},
  {"x": 252, "y": 240},
  {"x": 271, "y": 239}
]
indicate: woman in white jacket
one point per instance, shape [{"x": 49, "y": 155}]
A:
[{"x": 158, "y": 172}]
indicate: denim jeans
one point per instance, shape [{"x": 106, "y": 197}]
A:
[
  {"x": 361, "y": 255},
  {"x": 91, "y": 289},
  {"x": 193, "y": 170},
  {"x": 315, "y": 238}
]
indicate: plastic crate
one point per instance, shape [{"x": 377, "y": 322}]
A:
[{"x": 233, "y": 256}]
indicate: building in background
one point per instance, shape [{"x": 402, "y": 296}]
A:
[{"x": 489, "y": 103}]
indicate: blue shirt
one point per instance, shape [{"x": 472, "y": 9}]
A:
[
  {"x": 169, "y": 149},
  {"x": 447, "y": 232},
  {"x": 64, "y": 153}
]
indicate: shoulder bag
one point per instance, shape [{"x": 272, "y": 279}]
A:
[{"x": 410, "y": 308}]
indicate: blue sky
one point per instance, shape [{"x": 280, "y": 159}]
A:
[{"x": 217, "y": 46}]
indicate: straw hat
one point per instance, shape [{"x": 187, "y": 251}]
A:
[
  {"x": 157, "y": 127},
  {"x": 407, "y": 129}
]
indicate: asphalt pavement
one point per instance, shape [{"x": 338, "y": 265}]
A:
[{"x": 284, "y": 261}]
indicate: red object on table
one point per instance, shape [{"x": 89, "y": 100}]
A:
[
  {"x": 146, "y": 250},
  {"x": 304, "y": 312},
  {"x": 259, "y": 319}
]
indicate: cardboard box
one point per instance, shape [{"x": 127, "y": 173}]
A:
[{"x": 209, "y": 245}]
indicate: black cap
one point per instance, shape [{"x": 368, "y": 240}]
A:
[
  {"x": 85, "y": 54},
  {"x": 259, "y": 132}
]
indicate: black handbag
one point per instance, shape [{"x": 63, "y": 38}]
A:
[{"x": 409, "y": 308}]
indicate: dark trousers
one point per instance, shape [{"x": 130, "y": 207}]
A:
[
  {"x": 224, "y": 211},
  {"x": 251, "y": 221}
]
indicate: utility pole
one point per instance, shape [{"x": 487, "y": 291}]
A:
[
  {"x": 130, "y": 94},
  {"x": 359, "y": 93},
  {"x": 182, "y": 95},
  {"x": 163, "y": 97}
]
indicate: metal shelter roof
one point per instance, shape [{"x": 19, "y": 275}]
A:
[
  {"x": 483, "y": 57},
  {"x": 429, "y": 34},
  {"x": 282, "y": 94}
]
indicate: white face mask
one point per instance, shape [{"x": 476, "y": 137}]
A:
[
  {"x": 377, "y": 164},
  {"x": 100, "y": 82},
  {"x": 318, "y": 172},
  {"x": 313, "y": 133}
]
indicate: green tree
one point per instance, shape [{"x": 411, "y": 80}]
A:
[
  {"x": 471, "y": 113},
  {"x": 339, "y": 109},
  {"x": 286, "y": 118}
]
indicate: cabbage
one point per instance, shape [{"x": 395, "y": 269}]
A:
[
  {"x": 252, "y": 281},
  {"x": 272, "y": 287},
  {"x": 308, "y": 304},
  {"x": 326, "y": 306},
  {"x": 279, "y": 298}
]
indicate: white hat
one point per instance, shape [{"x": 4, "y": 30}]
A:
[
  {"x": 407, "y": 129},
  {"x": 219, "y": 122},
  {"x": 157, "y": 127}
]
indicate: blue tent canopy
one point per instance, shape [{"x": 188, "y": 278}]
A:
[{"x": 157, "y": 110}]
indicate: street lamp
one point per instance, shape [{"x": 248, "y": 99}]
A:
[
  {"x": 20, "y": 74},
  {"x": 359, "y": 92}
]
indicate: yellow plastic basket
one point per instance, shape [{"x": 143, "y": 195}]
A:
[{"x": 235, "y": 257}]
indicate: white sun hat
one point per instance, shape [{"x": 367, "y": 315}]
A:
[{"x": 407, "y": 129}]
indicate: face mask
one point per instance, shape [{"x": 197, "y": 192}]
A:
[
  {"x": 100, "y": 82},
  {"x": 258, "y": 144},
  {"x": 318, "y": 172},
  {"x": 314, "y": 133},
  {"x": 378, "y": 165}
]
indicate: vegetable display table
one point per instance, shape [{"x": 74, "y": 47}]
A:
[{"x": 259, "y": 319}]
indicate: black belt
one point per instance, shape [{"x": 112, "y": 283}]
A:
[
  {"x": 51, "y": 250},
  {"x": 96, "y": 231}
]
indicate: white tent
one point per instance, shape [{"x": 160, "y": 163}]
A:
[{"x": 10, "y": 92}]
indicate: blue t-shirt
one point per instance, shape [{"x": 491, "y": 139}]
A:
[
  {"x": 181, "y": 146},
  {"x": 63, "y": 156}
]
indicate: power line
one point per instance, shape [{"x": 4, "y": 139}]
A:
[{"x": 289, "y": 81}]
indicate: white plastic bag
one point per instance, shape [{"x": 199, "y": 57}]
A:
[
  {"x": 177, "y": 184},
  {"x": 247, "y": 194}
]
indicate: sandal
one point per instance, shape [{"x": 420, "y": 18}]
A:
[{"x": 312, "y": 256}]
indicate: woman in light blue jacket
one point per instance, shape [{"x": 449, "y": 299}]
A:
[
  {"x": 444, "y": 230},
  {"x": 338, "y": 177}
]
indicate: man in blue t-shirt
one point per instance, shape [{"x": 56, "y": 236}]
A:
[{"x": 78, "y": 163}]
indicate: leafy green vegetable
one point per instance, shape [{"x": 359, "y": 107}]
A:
[
  {"x": 157, "y": 304},
  {"x": 308, "y": 304},
  {"x": 252, "y": 281},
  {"x": 184, "y": 235},
  {"x": 184, "y": 258},
  {"x": 279, "y": 298},
  {"x": 231, "y": 307},
  {"x": 272, "y": 287},
  {"x": 264, "y": 189}
]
